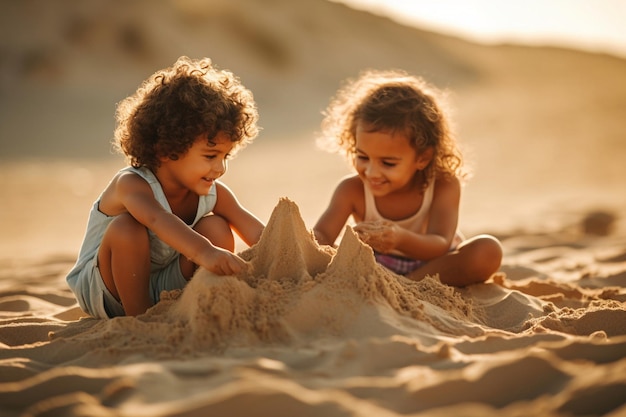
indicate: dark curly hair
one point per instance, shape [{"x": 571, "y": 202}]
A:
[
  {"x": 391, "y": 101},
  {"x": 177, "y": 104}
]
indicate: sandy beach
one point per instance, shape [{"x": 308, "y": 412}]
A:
[
  {"x": 316, "y": 331},
  {"x": 310, "y": 330}
]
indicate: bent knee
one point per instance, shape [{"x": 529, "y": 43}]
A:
[
  {"x": 217, "y": 230},
  {"x": 486, "y": 257},
  {"x": 490, "y": 255}
]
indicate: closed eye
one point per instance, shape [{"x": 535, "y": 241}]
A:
[{"x": 213, "y": 156}]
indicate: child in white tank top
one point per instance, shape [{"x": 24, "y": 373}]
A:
[{"x": 405, "y": 195}]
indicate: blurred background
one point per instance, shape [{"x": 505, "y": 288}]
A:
[{"x": 538, "y": 107}]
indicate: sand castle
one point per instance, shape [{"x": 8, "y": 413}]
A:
[{"x": 295, "y": 292}]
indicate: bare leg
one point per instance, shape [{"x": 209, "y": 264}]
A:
[
  {"x": 124, "y": 262},
  {"x": 474, "y": 261},
  {"x": 218, "y": 231}
]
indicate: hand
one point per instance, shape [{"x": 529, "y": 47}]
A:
[
  {"x": 381, "y": 235},
  {"x": 223, "y": 262}
]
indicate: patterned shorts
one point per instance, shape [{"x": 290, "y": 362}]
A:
[{"x": 398, "y": 264}]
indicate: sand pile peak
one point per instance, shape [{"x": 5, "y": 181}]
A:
[
  {"x": 286, "y": 249},
  {"x": 355, "y": 267},
  {"x": 251, "y": 307}
]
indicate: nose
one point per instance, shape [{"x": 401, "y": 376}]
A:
[
  {"x": 370, "y": 170},
  {"x": 220, "y": 166}
]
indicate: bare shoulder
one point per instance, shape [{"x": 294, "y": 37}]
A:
[
  {"x": 127, "y": 181},
  {"x": 447, "y": 191},
  {"x": 223, "y": 189},
  {"x": 224, "y": 194},
  {"x": 226, "y": 199},
  {"x": 122, "y": 184},
  {"x": 447, "y": 184},
  {"x": 351, "y": 186},
  {"x": 350, "y": 196}
]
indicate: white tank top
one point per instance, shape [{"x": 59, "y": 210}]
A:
[{"x": 418, "y": 222}]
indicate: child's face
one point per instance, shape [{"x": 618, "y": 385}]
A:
[
  {"x": 201, "y": 165},
  {"x": 386, "y": 162}
]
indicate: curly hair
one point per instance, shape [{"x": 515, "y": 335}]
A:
[
  {"x": 175, "y": 105},
  {"x": 391, "y": 101}
]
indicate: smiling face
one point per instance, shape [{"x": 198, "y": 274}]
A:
[
  {"x": 198, "y": 168},
  {"x": 386, "y": 162}
]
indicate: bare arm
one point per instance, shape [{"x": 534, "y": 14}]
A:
[
  {"x": 135, "y": 196},
  {"x": 243, "y": 222},
  {"x": 342, "y": 204}
]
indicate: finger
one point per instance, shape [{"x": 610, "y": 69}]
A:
[
  {"x": 234, "y": 268},
  {"x": 217, "y": 270},
  {"x": 236, "y": 265},
  {"x": 364, "y": 237}
]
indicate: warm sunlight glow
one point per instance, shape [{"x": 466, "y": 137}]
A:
[{"x": 596, "y": 26}]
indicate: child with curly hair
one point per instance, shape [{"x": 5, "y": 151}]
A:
[
  {"x": 166, "y": 214},
  {"x": 405, "y": 195}
]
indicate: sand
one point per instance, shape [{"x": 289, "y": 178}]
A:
[{"x": 319, "y": 331}]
